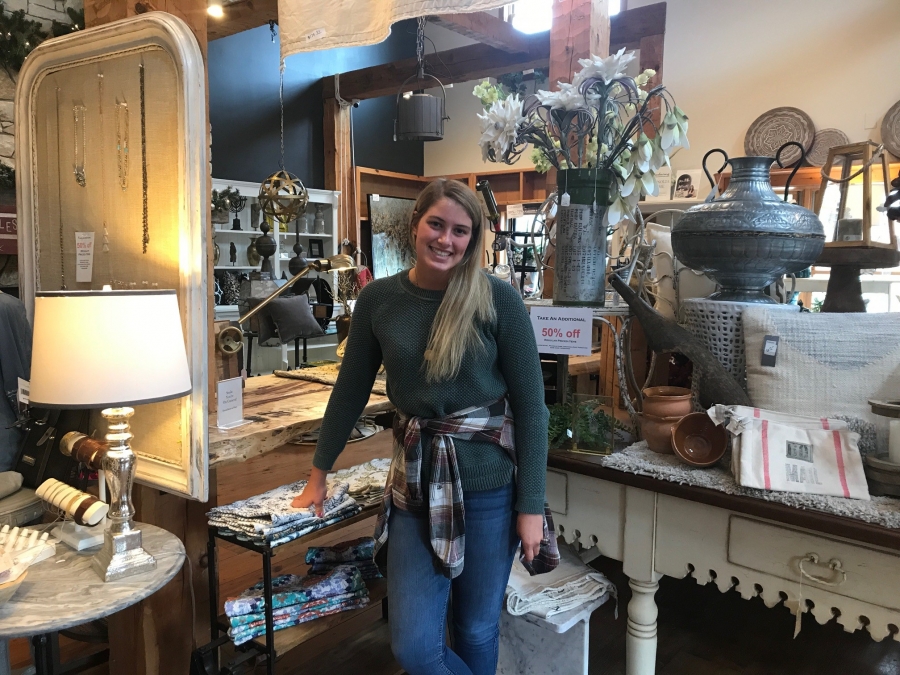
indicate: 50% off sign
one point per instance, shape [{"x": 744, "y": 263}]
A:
[{"x": 562, "y": 330}]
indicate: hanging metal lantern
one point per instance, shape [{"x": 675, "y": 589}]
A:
[{"x": 420, "y": 116}]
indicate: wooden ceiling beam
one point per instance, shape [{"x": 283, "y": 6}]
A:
[
  {"x": 452, "y": 66},
  {"x": 240, "y": 16},
  {"x": 485, "y": 28},
  {"x": 632, "y": 25}
]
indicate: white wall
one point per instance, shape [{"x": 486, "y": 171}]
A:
[
  {"x": 459, "y": 151},
  {"x": 726, "y": 62}
]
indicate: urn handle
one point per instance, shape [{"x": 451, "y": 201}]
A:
[
  {"x": 797, "y": 164},
  {"x": 709, "y": 177}
]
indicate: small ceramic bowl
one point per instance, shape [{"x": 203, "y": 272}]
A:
[
  {"x": 667, "y": 401},
  {"x": 699, "y": 441},
  {"x": 657, "y": 431}
]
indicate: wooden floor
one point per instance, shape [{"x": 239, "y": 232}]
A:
[{"x": 701, "y": 632}]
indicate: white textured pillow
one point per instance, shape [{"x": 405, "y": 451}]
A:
[{"x": 826, "y": 364}]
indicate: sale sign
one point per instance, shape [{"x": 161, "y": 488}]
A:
[
  {"x": 8, "y": 233},
  {"x": 562, "y": 330}
]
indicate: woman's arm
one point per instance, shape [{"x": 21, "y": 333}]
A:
[
  {"x": 348, "y": 399},
  {"x": 521, "y": 368}
]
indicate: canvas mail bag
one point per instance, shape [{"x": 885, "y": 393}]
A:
[{"x": 792, "y": 453}]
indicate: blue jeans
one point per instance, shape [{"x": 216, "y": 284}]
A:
[{"x": 418, "y": 593}]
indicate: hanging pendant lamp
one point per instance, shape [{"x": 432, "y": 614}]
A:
[{"x": 420, "y": 116}]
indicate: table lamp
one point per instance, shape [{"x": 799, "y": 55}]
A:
[{"x": 110, "y": 350}]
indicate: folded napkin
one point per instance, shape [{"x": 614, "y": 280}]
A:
[{"x": 571, "y": 585}]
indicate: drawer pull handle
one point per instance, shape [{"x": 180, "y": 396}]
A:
[{"x": 839, "y": 576}]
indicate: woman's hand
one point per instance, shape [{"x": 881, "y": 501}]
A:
[
  {"x": 530, "y": 527},
  {"x": 314, "y": 493}
]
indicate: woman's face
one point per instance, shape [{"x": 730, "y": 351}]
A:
[{"x": 442, "y": 236}]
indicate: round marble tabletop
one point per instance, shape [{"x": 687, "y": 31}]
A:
[{"x": 65, "y": 591}]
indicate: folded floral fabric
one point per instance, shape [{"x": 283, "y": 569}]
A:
[
  {"x": 274, "y": 507},
  {"x": 367, "y": 568},
  {"x": 362, "y": 548},
  {"x": 366, "y": 481},
  {"x": 247, "y": 633},
  {"x": 289, "y": 589},
  {"x": 293, "y": 610},
  {"x": 254, "y": 529}
]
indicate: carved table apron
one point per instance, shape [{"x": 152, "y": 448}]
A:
[{"x": 758, "y": 548}]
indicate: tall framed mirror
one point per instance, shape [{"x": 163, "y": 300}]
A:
[{"x": 112, "y": 152}]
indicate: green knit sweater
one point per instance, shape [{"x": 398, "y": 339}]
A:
[{"x": 391, "y": 323}]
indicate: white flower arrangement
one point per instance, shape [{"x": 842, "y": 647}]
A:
[{"x": 603, "y": 120}]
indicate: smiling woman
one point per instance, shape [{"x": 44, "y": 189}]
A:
[{"x": 462, "y": 369}]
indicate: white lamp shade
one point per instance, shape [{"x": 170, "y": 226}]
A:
[{"x": 102, "y": 349}]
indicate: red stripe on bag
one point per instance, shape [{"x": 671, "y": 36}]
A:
[
  {"x": 756, "y": 412},
  {"x": 839, "y": 454},
  {"x": 765, "y": 444}
]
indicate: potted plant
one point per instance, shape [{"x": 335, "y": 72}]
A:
[
  {"x": 580, "y": 424},
  {"x": 600, "y": 133}
]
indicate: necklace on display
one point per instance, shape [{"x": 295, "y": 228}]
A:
[
  {"x": 105, "y": 247},
  {"x": 122, "y": 120},
  {"x": 78, "y": 110},
  {"x": 62, "y": 251},
  {"x": 144, "y": 210}
]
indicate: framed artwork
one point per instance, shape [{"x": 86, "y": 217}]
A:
[
  {"x": 316, "y": 248},
  {"x": 689, "y": 184},
  {"x": 391, "y": 249}
]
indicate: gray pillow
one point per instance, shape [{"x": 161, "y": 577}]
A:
[
  {"x": 262, "y": 324},
  {"x": 294, "y": 319}
]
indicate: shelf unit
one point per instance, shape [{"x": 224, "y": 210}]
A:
[
  {"x": 277, "y": 643},
  {"x": 271, "y": 358}
]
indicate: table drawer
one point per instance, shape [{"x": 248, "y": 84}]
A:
[{"x": 852, "y": 570}]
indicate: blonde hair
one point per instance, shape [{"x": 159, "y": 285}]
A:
[{"x": 468, "y": 297}]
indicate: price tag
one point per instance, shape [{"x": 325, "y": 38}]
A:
[
  {"x": 84, "y": 256},
  {"x": 562, "y": 330},
  {"x": 230, "y": 408},
  {"x": 515, "y": 210},
  {"x": 23, "y": 390}
]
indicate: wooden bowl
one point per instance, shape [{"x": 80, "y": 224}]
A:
[
  {"x": 657, "y": 431},
  {"x": 699, "y": 441},
  {"x": 667, "y": 401}
]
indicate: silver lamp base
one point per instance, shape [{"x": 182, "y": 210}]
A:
[{"x": 122, "y": 556}]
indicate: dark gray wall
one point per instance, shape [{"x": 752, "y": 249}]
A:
[{"x": 244, "y": 113}]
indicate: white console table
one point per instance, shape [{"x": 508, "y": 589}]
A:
[{"x": 661, "y": 528}]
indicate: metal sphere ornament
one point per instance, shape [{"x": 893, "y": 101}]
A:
[{"x": 282, "y": 196}]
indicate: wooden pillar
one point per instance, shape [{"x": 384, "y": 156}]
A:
[
  {"x": 156, "y": 636},
  {"x": 339, "y": 172},
  {"x": 580, "y": 28}
]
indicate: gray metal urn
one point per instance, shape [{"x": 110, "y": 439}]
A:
[{"x": 747, "y": 238}]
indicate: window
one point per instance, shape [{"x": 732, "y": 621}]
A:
[{"x": 535, "y": 16}]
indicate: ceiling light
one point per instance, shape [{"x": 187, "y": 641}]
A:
[
  {"x": 214, "y": 9},
  {"x": 533, "y": 16}
]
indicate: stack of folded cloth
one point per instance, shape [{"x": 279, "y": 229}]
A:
[
  {"x": 358, "y": 553},
  {"x": 270, "y": 519},
  {"x": 366, "y": 481},
  {"x": 570, "y": 586},
  {"x": 295, "y": 600}
]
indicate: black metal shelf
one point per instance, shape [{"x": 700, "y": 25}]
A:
[{"x": 267, "y": 647}]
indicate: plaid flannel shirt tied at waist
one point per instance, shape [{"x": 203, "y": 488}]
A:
[{"x": 446, "y": 511}]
